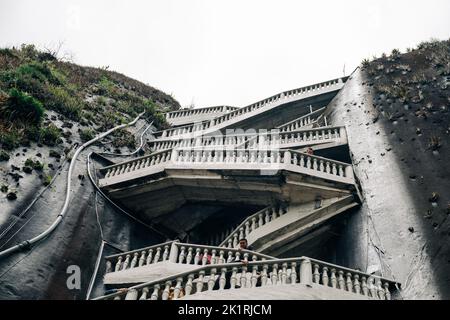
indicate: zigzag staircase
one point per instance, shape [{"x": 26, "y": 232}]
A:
[{"x": 175, "y": 270}]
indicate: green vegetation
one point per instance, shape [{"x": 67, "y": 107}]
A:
[
  {"x": 4, "y": 156},
  {"x": 50, "y": 135},
  {"x": 46, "y": 179},
  {"x": 35, "y": 164},
  {"x": 33, "y": 81},
  {"x": 87, "y": 134},
  {"x": 65, "y": 102},
  {"x": 21, "y": 107}
]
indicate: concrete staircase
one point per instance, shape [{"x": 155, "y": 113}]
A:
[
  {"x": 194, "y": 162},
  {"x": 292, "y": 278},
  {"x": 275, "y": 230},
  {"x": 252, "y": 111}
]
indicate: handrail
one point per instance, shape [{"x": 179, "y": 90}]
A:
[
  {"x": 269, "y": 157},
  {"x": 242, "y": 226},
  {"x": 311, "y": 271},
  {"x": 173, "y": 114},
  {"x": 139, "y": 250},
  {"x": 134, "y": 159},
  {"x": 238, "y": 140},
  {"x": 289, "y": 93},
  {"x": 302, "y": 117},
  {"x": 175, "y": 252}
]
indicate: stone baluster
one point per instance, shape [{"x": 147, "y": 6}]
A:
[
  {"x": 132, "y": 294},
  {"x": 230, "y": 243},
  {"x": 108, "y": 266},
  {"x": 267, "y": 215},
  {"x": 144, "y": 294},
  {"x": 205, "y": 257},
  {"x": 197, "y": 256},
  {"x": 253, "y": 225},
  {"x": 230, "y": 256},
  {"x": 341, "y": 170},
  {"x": 189, "y": 284},
  {"x": 142, "y": 259},
  {"x": 349, "y": 283},
  {"x": 182, "y": 254},
  {"x": 243, "y": 279},
  {"x": 386, "y": 291},
  {"x": 166, "y": 292},
  {"x": 241, "y": 233},
  {"x": 365, "y": 289},
  {"x": 372, "y": 290},
  {"x": 264, "y": 275},
  {"x": 260, "y": 220},
  {"x": 381, "y": 293},
  {"x": 327, "y": 167},
  {"x": 325, "y": 279},
  {"x": 221, "y": 257},
  {"x": 341, "y": 280},
  {"x": 189, "y": 256},
  {"x": 274, "y": 214},
  {"x": 356, "y": 284},
  {"x": 200, "y": 281},
  {"x": 274, "y": 275},
  {"x": 149, "y": 257},
  {"x": 333, "y": 278},
  {"x": 177, "y": 289},
  {"x": 233, "y": 279},
  {"x": 166, "y": 253},
  {"x": 126, "y": 262},
  {"x": 254, "y": 278},
  {"x": 212, "y": 279},
  {"x": 247, "y": 228},
  {"x": 155, "y": 293},
  {"x": 223, "y": 279},
  {"x": 135, "y": 260},
  {"x": 316, "y": 274},
  {"x": 284, "y": 273},
  {"x": 213, "y": 256}
]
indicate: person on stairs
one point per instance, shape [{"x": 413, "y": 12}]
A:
[{"x": 243, "y": 245}]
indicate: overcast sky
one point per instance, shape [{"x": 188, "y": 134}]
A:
[{"x": 224, "y": 52}]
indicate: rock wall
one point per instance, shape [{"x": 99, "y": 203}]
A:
[
  {"x": 399, "y": 231},
  {"x": 41, "y": 273}
]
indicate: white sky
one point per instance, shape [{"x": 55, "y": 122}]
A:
[{"x": 232, "y": 52}]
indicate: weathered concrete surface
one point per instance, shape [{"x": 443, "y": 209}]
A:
[
  {"x": 40, "y": 273},
  {"x": 276, "y": 237},
  {"x": 397, "y": 175},
  {"x": 147, "y": 273},
  {"x": 279, "y": 292}
]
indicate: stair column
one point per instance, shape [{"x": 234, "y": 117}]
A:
[{"x": 306, "y": 272}]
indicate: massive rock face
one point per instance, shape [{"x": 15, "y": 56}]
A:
[{"x": 401, "y": 230}]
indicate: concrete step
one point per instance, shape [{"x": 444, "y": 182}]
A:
[
  {"x": 278, "y": 292},
  {"x": 274, "y": 237}
]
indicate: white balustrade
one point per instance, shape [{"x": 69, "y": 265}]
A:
[
  {"x": 283, "y": 97},
  {"x": 270, "y": 273},
  {"x": 176, "y": 252}
]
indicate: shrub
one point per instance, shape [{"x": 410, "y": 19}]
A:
[
  {"x": 86, "y": 134},
  {"x": 65, "y": 103},
  {"x": 4, "y": 156},
  {"x": 105, "y": 86},
  {"x": 22, "y": 107},
  {"x": 46, "y": 179},
  {"x": 50, "y": 135},
  {"x": 365, "y": 63},
  {"x": 395, "y": 53},
  {"x": 35, "y": 164},
  {"x": 10, "y": 139}
]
